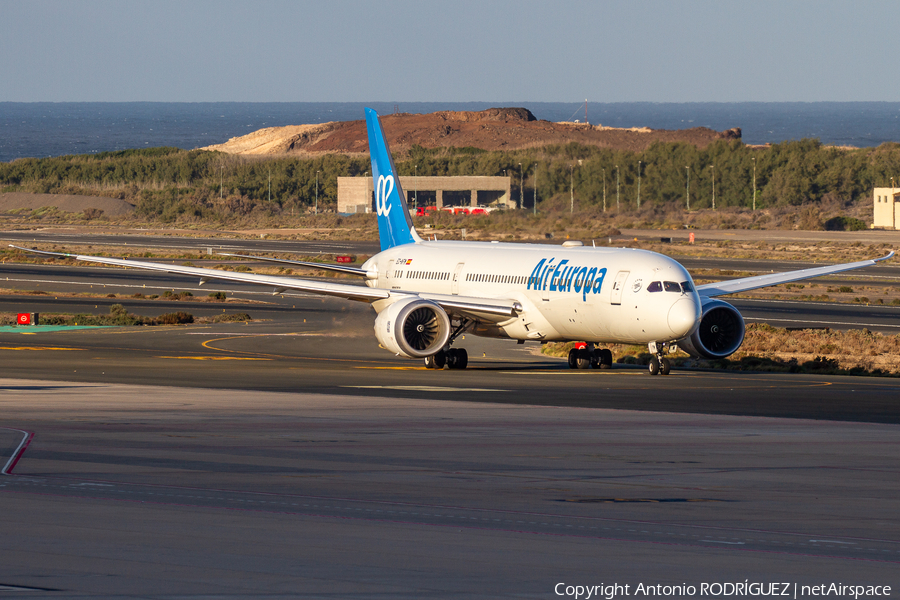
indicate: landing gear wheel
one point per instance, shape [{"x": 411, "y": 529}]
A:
[
  {"x": 654, "y": 366},
  {"x": 583, "y": 359},
  {"x": 573, "y": 358},
  {"x": 436, "y": 361},
  {"x": 664, "y": 366},
  {"x": 605, "y": 358},
  {"x": 457, "y": 358}
]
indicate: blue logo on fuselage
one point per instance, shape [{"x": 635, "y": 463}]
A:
[{"x": 564, "y": 278}]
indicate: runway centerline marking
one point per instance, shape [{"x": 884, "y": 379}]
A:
[
  {"x": 213, "y": 358},
  {"x": 421, "y": 388},
  {"x": 802, "y": 320}
]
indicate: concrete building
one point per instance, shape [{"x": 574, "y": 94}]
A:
[
  {"x": 887, "y": 208},
  {"x": 355, "y": 194}
]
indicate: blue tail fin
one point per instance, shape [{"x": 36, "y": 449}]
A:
[{"x": 394, "y": 224}]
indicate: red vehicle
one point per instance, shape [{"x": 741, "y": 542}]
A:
[{"x": 424, "y": 211}]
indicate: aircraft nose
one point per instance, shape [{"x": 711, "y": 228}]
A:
[{"x": 683, "y": 316}]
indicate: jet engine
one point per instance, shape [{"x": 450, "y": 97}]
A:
[
  {"x": 413, "y": 328},
  {"x": 720, "y": 333}
]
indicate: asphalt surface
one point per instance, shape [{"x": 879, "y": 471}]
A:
[
  {"x": 165, "y": 492},
  {"x": 290, "y": 456}
]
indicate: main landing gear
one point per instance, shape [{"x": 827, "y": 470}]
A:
[
  {"x": 585, "y": 356},
  {"x": 453, "y": 358},
  {"x": 659, "y": 364}
]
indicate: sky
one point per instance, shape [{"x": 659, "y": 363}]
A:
[{"x": 456, "y": 51}]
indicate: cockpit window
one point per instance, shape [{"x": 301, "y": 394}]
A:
[
  {"x": 671, "y": 286},
  {"x": 687, "y": 287},
  {"x": 656, "y": 286}
]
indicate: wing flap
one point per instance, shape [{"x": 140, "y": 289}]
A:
[{"x": 745, "y": 284}]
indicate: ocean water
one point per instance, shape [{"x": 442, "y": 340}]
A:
[{"x": 42, "y": 129}]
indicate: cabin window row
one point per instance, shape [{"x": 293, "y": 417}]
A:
[
  {"x": 435, "y": 275},
  {"x": 491, "y": 278}
]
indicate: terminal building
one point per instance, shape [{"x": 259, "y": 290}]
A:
[
  {"x": 887, "y": 208},
  {"x": 355, "y": 194}
]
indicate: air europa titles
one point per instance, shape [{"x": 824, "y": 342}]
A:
[{"x": 562, "y": 277}]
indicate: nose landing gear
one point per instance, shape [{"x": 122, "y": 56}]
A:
[{"x": 659, "y": 364}]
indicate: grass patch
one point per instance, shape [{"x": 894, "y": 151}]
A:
[
  {"x": 118, "y": 317},
  {"x": 775, "y": 349}
]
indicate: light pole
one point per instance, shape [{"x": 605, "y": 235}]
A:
[
  {"x": 521, "y": 188},
  {"x": 713, "y": 167},
  {"x": 617, "y": 188},
  {"x": 534, "y": 199},
  {"x": 688, "y": 188},
  {"x": 604, "y": 190},
  {"x": 571, "y": 191},
  {"x": 639, "y": 186},
  {"x": 221, "y": 179},
  {"x": 754, "y": 182},
  {"x": 317, "y": 192},
  {"x": 270, "y": 185}
]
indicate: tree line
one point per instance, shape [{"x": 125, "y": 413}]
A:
[{"x": 169, "y": 183}]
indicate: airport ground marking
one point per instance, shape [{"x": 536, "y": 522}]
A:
[
  {"x": 273, "y": 356},
  {"x": 213, "y": 357},
  {"x": 832, "y": 323},
  {"x": 421, "y": 388},
  {"x": 35, "y": 348}
]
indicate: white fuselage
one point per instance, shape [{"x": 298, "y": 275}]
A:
[{"x": 587, "y": 294}]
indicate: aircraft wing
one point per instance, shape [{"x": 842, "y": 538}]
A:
[
  {"x": 300, "y": 263},
  {"x": 733, "y": 286},
  {"x": 489, "y": 308}
]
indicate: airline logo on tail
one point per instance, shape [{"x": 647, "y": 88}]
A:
[
  {"x": 395, "y": 228},
  {"x": 381, "y": 195}
]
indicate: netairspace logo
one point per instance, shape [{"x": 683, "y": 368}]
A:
[{"x": 744, "y": 588}]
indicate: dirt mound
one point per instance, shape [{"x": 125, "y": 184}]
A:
[
  {"x": 492, "y": 129},
  {"x": 274, "y": 140},
  {"x": 111, "y": 207}
]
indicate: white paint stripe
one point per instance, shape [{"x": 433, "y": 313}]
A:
[
  {"x": 420, "y": 388},
  {"x": 18, "y": 451},
  {"x": 832, "y": 542},
  {"x": 801, "y": 321}
]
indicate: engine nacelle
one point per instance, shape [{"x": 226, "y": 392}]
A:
[
  {"x": 413, "y": 328},
  {"x": 720, "y": 333}
]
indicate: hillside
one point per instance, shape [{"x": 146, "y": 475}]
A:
[{"x": 492, "y": 129}]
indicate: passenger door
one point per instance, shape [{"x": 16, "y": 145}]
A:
[
  {"x": 618, "y": 285},
  {"x": 454, "y": 283}
]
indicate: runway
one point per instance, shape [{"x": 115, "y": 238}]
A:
[
  {"x": 290, "y": 456},
  {"x": 159, "y": 492}
]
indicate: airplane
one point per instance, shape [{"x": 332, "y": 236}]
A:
[{"x": 427, "y": 293}]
